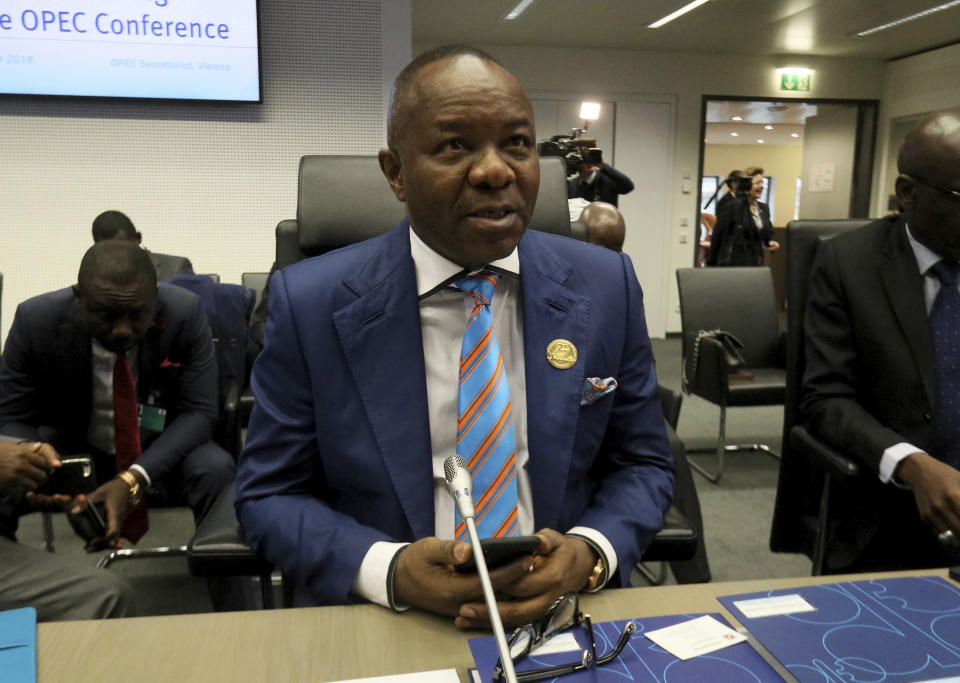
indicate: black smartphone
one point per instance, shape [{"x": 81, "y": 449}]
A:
[
  {"x": 500, "y": 551},
  {"x": 91, "y": 523},
  {"x": 955, "y": 573},
  {"x": 74, "y": 476}
]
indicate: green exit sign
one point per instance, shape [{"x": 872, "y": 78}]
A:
[{"x": 795, "y": 82}]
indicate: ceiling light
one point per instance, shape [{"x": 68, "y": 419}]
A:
[
  {"x": 759, "y": 141},
  {"x": 518, "y": 10},
  {"x": 734, "y": 134},
  {"x": 736, "y": 118},
  {"x": 589, "y": 111},
  {"x": 768, "y": 127},
  {"x": 794, "y": 135},
  {"x": 911, "y": 17},
  {"x": 680, "y": 12}
]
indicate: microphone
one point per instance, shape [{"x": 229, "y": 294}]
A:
[{"x": 460, "y": 487}]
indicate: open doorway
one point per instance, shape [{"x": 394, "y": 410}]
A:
[{"x": 816, "y": 156}]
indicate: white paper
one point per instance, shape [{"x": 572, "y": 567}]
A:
[
  {"x": 438, "y": 676},
  {"x": 561, "y": 642},
  {"x": 696, "y": 637},
  {"x": 777, "y": 604}
]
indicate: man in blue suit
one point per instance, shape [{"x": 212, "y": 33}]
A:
[{"x": 341, "y": 484}]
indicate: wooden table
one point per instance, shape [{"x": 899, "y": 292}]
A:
[{"x": 327, "y": 643}]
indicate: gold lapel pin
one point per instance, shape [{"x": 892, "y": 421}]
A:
[{"x": 561, "y": 354}]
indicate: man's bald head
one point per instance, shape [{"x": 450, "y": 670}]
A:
[
  {"x": 605, "y": 225},
  {"x": 929, "y": 164},
  {"x": 116, "y": 290},
  {"x": 400, "y": 97},
  {"x": 118, "y": 262}
]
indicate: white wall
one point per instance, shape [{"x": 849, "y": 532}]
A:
[
  {"x": 828, "y": 145},
  {"x": 682, "y": 78},
  {"x": 208, "y": 181},
  {"x": 911, "y": 86}
]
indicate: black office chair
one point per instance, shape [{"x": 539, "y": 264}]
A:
[
  {"x": 810, "y": 470},
  {"x": 331, "y": 213},
  {"x": 739, "y": 301},
  {"x": 680, "y": 543}
]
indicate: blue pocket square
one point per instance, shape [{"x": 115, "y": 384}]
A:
[{"x": 594, "y": 388}]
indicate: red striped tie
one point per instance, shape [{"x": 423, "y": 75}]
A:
[{"x": 485, "y": 420}]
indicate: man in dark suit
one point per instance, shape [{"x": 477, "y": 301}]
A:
[
  {"x": 599, "y": 182},
  {"x": 880, "y": 384},
  {"x": 73, "y": 354},
  {"x": 114, "y": 225},
  {"x": 341, "y": 483}
]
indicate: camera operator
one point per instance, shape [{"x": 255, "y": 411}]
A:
[
  {"x": 743, "y": 231},
  {"x": 597, "y": 181},
  {"x": 731, "y": 190}
]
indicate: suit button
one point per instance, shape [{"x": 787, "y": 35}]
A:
[{"x": 927, "y": 417}]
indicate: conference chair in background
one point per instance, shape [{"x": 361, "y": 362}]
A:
[
  {"x": 812, "y": 474},
  {"x": 738, "y": 302},
  {"x": 256, "y": 282}
]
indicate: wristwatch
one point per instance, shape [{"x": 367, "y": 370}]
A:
[
  {"x": 136, "y": 492},
  {"x": 599, "y": 573}
]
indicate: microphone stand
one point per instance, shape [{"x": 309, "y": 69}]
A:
[{"x": 505, "y": 659}]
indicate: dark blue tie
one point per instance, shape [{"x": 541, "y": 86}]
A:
[{"x": 945, "y": 330}]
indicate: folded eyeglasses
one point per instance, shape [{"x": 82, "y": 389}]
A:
[{"x": 563, "y": 614}]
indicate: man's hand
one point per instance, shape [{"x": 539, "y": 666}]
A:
[
  {"x": 772, "y": 245},
  {"x": 561, "y": 565},
  {"x": 24, "y": 467},
  {"x": 936, "y": 488},
  {"x": 115, "y": 496},
  {"x": 424, "y": 576}
]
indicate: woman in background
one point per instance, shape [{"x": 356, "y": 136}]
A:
[{"x": 743, "y": 231}]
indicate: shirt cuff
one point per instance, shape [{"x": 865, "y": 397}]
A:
[
  {"x": 143, "y": 472},
  {"x": 891, "y": 458},
  {"x": 371, "y": 581},
  {"x": 602, "y": 545}
]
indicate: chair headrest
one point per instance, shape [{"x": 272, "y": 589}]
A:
[{"x": 346, "y": 199}]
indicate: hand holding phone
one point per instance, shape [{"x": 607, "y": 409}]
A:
[
  {"x": 90, "y": 523},
  {"x": 500, "y": 551}
]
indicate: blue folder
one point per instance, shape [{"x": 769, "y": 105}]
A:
[
  {"x": 641, "y": 659},
  {"x": 879, "y": 631},
  {"x": 18, "y": 646}
]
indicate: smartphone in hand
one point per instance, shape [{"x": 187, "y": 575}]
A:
[
  {"x": 500, "y": 551},
  {"x": 91, "y": 522}
]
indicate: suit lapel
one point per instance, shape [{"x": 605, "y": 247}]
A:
[
  {"x": 903, "y": 285},
  {"x": 381, "y": 338},
  {"x": 550, "y": 311},
  {"x": 74, "y": 343}
]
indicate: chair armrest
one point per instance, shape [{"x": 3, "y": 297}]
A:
[
  {"x": 219, "y": 548},
  {"x": 228, "y": 426},
  {"x": 675, "y": 542},
  {"x": 822, "y": 455},
  {"x": 710, "y": 381}
]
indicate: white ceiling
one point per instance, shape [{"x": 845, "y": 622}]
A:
[{"x": 766, "y": 27}]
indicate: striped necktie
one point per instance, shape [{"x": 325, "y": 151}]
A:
[
  {"x": 485, "y": 419},
  {"x": 945, "y": 333}
]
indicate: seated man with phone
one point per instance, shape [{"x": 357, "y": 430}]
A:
[
  {"x": 57, "y": 588},
  {"x": 457, "y": 332},
  {"x": 120, "y": 369}
]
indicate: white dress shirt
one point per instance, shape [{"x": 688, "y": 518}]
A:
[
  {"x": 443, "y": 317},
  {"x": 926, "y": 258}
]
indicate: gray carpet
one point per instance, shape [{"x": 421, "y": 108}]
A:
[{"x": 736, "y": 512}]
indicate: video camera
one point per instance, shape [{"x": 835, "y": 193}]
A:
[
  {"x": 742, "y": 186},
  {"x": 575, "y": 150}
]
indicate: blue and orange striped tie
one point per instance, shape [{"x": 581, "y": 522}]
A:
[{"x": 485, "y": 418}]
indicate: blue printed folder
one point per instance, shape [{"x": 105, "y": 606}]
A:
[
  {"x": 642, "y": 659},
  {"x": 879, "y": 631}
]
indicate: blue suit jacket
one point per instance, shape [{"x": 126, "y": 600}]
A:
[
  {"x": 46, "y": 381},
  {"x": 338, "y": 449}
]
